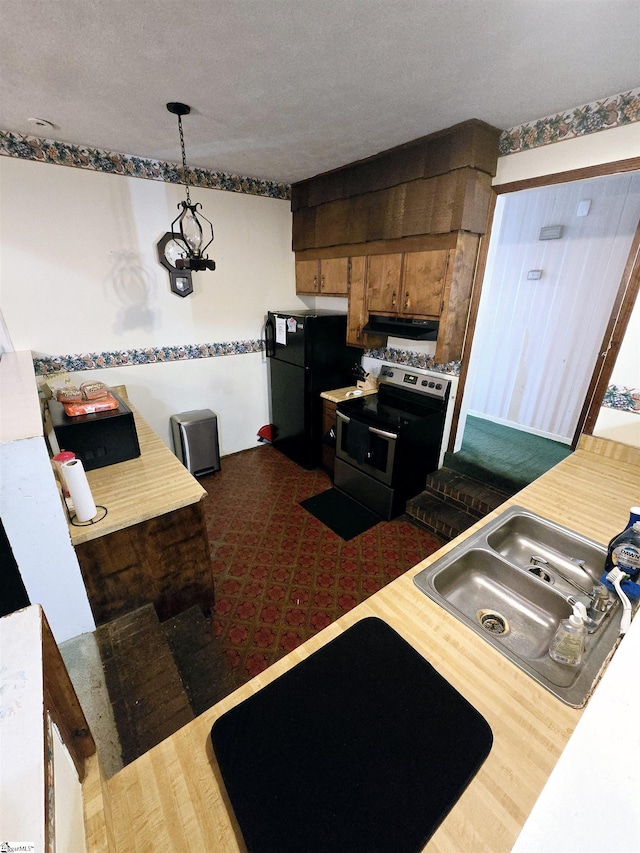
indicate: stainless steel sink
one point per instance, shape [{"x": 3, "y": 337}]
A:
[
  {"x": 524, "y": 534},
  {"x": 489, "y": 583}
]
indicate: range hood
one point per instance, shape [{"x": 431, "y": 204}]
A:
[{"x": 402, "y": 327}]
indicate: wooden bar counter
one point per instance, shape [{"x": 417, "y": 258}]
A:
[
  {"x": 152, "y": 546},
  {"x": 172, "y": 798}
]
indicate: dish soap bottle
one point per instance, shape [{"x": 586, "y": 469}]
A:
[
  {"x": 567, "y": 645},
  {"x": 624, "y": 551}
]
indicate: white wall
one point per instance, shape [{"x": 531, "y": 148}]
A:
[
  {"x": 37, "y": 531},
  {"x": 26, "y": 754},
  {"x": 31, "y": 508},
  {"x": 607, "y": 146},
  {"x": 80, "y": 275},
  {"x": 613, "y": 423},
  {"x": 550, "y": 329},
  {"x": 22, "y": 746},
  {"x": 234, "y": 387}
]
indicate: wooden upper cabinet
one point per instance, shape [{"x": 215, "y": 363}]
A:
[
  {"x": 358, "y": 314},
  {"x": 327, "y": 277},
  {"x": 334, "y": 277},
  {"x": 409, "y": 284},
  {"x": 384, "y": 281},
  {"x": 307, "y": 277},
  {"x": 423, "y": 281}
]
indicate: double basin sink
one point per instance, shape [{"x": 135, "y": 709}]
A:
[{"x": 514, "y": 581}]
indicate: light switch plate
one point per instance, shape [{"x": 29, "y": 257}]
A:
[
  {"x": 583, "y": 207},
  {"x": 551, "y": 232}
]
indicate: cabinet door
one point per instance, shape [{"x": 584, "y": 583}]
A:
[
  {"x": 307, "y": 277},
  {"x": 334, "y": 276},
  {"x": 357, "y": 309},
  {"x": 457, "y": 297},
  {"x": 384, "y": 279},
  {"x": 423, "y": 283}
]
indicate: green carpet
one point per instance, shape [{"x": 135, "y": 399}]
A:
[{"x": 505, "y": 458}]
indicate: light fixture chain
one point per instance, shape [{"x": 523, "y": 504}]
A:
[{"x": 184, "y": 158}]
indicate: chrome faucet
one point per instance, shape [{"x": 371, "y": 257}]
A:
[
  {"x": 598, "y": 595},
  {"x": 540, "y": 561}
]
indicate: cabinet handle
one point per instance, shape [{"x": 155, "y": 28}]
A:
[
  {"x": 322, "y": 282},
  {"x": 315, "y": 282},
  {"x": 393, "y": 299},
  {"x": 406, "y": 301}
]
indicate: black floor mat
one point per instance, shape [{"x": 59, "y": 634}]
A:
[
  {"x": 344, "y": 516},
  {"x": 361, "y": 747}
]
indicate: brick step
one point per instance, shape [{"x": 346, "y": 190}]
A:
[
  {"x": 199, "y": 658},
  {"x": 469, "y": 494},
  {"x": 147, "y": 694},
  {"x": 452, "y": 502},
  {"x": 438, "y": 516}
]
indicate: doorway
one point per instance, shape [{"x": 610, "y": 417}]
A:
[{"x": 547, "y": 297}]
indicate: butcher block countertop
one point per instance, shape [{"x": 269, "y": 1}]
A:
[
  {"x": 342, "y": 394},
  {"x": 154, "y": 483},
  {"x": 172, "y": 798}
]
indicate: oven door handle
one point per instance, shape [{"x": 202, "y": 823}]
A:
[{"x": 390, "y": 435}]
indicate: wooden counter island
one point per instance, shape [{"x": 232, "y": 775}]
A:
[
  {"x": 152, "y": 545},
  {"x": 172, "y": 798}
]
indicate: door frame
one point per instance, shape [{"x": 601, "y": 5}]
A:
[{"x": 620, "y": 313}]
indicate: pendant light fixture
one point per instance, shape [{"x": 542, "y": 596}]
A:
[{"x": 190, "y": 229}]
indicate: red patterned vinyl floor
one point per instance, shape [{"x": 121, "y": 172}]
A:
[{"x": 280, "y": 574}]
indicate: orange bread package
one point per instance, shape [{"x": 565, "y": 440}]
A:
[{"x": 90, "y": 407}]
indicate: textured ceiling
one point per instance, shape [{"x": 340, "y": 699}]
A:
[{"x": 286, "y": 89}]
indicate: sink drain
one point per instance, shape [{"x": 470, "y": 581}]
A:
[{"x": 493, "y": 622}]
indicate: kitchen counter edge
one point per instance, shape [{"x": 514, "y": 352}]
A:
[{"x": 590, "y": 492}]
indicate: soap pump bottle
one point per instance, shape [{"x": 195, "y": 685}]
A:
[{"x": 567, "y": 645}]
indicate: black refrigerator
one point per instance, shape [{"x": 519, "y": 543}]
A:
[{"x": 307, "y": 354}]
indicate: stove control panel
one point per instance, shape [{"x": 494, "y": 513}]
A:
[{"x": 422, "y": 381}]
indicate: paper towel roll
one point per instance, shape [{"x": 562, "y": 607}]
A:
[{"x": 78, "y": 486}]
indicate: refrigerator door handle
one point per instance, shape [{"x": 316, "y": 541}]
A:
[{"x": 270, "y": 338}]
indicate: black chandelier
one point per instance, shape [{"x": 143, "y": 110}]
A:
[{"x": 187, "y": 228}]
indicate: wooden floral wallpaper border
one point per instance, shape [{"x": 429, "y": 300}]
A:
[
  {"x": 623, "y": 399},
  {"x": 46, "y": 365},
  {"x": 26, "y": 147},
  {"x": 611, "y": 112}
]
